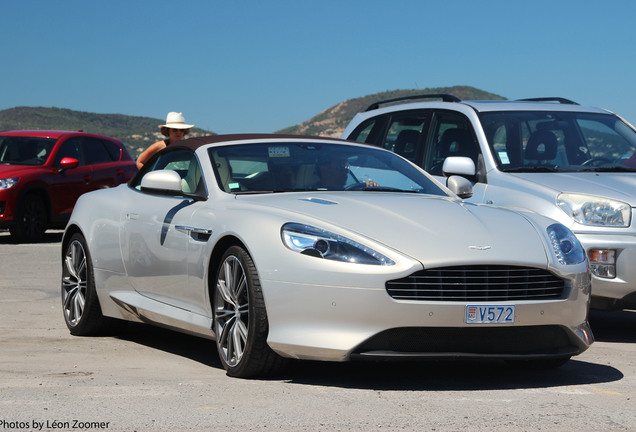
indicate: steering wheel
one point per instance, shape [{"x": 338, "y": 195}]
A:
[
  {"x": 597, "y": 161},
  {"x": 356, "y": 186}
]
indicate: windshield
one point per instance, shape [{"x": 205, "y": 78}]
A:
[
  {"x": 304, "y": 166},
  {"x": 25, "y": 150},
  {"x": 529, "y": 141}
]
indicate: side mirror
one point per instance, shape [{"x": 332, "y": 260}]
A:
[
  {"x": 459, "y": 165},
  {"x": 162, "y": 182},
  {"x": 68, "y": 163},
  {"x": 460, "y": 186}
]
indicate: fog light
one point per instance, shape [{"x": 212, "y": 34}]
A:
[{"x": 603, "y": 262}]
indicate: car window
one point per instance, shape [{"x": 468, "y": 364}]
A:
[
  {"x": 370, "y": 131},
  {"x": 70, "y": 148},
  {"x": 114, "y": 150},
  {"x": 25, "y": 150},
  {"x": 288, "y": 167},
  {"x": 183, "y": 162},
  {"x": 559, "y": 141},
  {"x": 451, "y": 135},
  {"x": 95, "y": 151},
  {"x": 405, "y": 133}
]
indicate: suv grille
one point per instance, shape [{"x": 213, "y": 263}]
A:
[{"x": 478, "y": 283}]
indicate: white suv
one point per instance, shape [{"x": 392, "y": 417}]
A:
[{"x": 574, "y": 164}]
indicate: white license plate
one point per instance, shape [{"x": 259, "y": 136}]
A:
[{"x": 490, "y": 314}]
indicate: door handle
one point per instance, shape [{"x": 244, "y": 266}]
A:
[
  {"x": 196, "y": 233},
  {"x": 194, "y": 230}
]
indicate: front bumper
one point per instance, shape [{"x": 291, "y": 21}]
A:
[{"x": 334, "y": 323}]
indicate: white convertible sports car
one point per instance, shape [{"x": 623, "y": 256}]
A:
[{"x": 283, "y": 247}]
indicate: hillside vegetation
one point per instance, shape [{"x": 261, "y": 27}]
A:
[
  {"x": 138, "y": 132},
  {"x": 135, "y": 132},
  {"x": 333, "y": 120}
]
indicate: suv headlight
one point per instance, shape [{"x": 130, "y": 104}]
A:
[
  {"x": 7, "y": 183},
  {"x": 565, "y": 245},
  {"x": 319, "y": 243},
  {"x": 595, "y": 211}
]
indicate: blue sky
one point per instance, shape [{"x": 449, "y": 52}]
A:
[{"x": 260, "y": 66}]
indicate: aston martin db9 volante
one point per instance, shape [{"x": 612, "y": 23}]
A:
[{"x": 286, "y": 247}]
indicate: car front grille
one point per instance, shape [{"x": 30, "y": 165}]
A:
[{"x": 478, "y": 283}]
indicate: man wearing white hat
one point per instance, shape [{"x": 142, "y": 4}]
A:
[{"x": 174, "y": 130}]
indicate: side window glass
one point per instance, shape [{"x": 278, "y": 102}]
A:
[
  {"x": 95, "y": 151},
  {"x": 370, "y": 131},
  {"x": 362, "y": 133},
  {"x": 114, "y": 151},
  {"x": 183, "y": 162},
  {"x": 405, "y": 132},
  {"x": 451, "y": 135},
  {"x": 70, "y": 148}
]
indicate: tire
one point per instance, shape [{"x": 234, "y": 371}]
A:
[
  {"x": 30, "y": 220},
  {"x": 240, "y": 319},
  {"x": 80, "y": 304}
]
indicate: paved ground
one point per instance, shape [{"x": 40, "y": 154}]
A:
[{"x": 155, "y": 380}]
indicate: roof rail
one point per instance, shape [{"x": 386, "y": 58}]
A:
[
  {"x": 551, "y": 99},
  {"x": 444, "y": 97}
]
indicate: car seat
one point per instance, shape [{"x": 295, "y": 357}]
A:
[{"x": 542, "y": 146}]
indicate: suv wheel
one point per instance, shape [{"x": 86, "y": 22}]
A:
[{"x": 30, "y": 220}]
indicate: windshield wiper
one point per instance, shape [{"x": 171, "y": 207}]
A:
[
  {"x": 529, "y": 169},
  {"x": 251, "y": 192},
  {"x": 609, "y": 169},
  {"x": 386, "y": 189},
  {"x": 268, "y": 191}
]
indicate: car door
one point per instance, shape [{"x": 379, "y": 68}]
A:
[
  {"x": 156, "y": 237},
  {"x": 104, "y": 161},
  {"x": 401, "y": 132},
  {"x": 451, "y": 134},
  {"x": 67, "y": 185}
]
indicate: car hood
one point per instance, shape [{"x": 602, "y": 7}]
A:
[
  {"x": 7, "y": 171},
  {"x": 619, "y": 186},
  {"x": 436, "y": 231}
]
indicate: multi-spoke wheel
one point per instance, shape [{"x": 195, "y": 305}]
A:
[
  {"x": 240, "y": 318},
  {"x": 80, "y": 304}
]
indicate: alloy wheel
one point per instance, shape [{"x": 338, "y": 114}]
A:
[
  {"x": 231, "y": 311},
  {"x": 74, "y": 283}
]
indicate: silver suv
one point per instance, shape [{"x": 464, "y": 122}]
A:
[{"x": 572, "y": 163}]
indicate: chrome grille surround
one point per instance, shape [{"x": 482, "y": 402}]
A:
[{"x": 479, "y": 283}]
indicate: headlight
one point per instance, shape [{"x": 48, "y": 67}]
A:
[
  {"x": 565, "y": 245},
  {"x": 595, "y": 211},
  {"x": 319, "y": 243},
  {"x": 8, "y": 183}
]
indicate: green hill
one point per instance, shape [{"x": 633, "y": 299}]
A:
[
  {"x": 332, "y": 121},
  {"x": 135, "y": 132}
]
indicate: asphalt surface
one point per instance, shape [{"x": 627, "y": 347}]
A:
[{"x": 149, "y": 379}]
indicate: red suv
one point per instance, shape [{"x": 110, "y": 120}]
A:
[{"x": 43, "y": 173}]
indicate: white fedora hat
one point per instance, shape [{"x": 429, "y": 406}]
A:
[{"x": 175, "y": 120}]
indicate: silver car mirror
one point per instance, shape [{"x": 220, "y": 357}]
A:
[
  {"x": 162, "y": 181},
  {"x": 460, "y": 186},
  {"x": 458, "y": 165}
]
